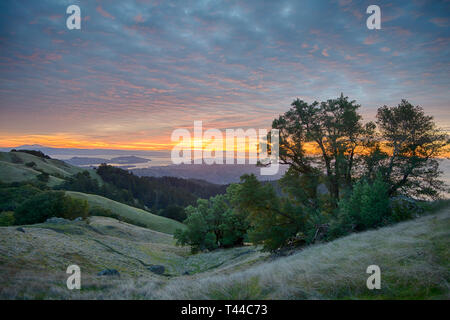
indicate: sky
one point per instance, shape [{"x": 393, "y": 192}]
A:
[{"x": 137, "y": 70}]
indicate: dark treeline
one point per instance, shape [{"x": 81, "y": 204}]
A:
[
  {"x": 159, "y": 192},
  {"x": 163, "y": 195},
  {"x": 36, "y": 153}
]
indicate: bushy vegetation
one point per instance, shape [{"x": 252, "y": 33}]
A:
[
  {"x": 43, "y": 177},
  {"x": 368, "y": 206},
  {"x": 12, "y": 195},
  {"x": 6, "y": 218},
  {"x": 213, "y": 224},
  {"x": 273, "y": 220},
  {"x": 50, "y": 204}
]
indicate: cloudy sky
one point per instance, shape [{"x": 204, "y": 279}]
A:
[{"x": 138, "y": 69}]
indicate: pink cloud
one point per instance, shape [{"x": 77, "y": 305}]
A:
[
  {"x": 344, "y": 2},
  {"x": 104, "y": 13},
  {"x": 139, "y": 18},
  {"x": 349, "y": 57},
  {"x": 314, "y": 49},
  {"x": 55, "y": 17},
  {"x": 401, "y": 31},
  {"x": 440, "y": 22},
  {"x": 370, "y": 40}
]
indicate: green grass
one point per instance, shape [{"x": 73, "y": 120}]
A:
[
  {"x": 150, "y": 220},
  {"x": 10, "y": 172}
]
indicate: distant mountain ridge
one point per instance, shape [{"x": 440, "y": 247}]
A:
[
  {"x": 85, "y": 161},
  {"x": 214, "y": 173},
  {"x": 79, "y": 151}
]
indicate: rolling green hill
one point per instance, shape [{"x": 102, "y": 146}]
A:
[
  {"x": 21, "y": 166},
  {"x": 152, "y": 221},
  {"x": 12, "y": 172}
]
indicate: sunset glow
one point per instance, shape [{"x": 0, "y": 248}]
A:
[{"x": 228, "y": 64}]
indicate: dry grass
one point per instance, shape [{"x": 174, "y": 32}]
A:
[{"x": 413, "y": 257}]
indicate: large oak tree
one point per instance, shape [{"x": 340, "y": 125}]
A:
[
  {"x": 329, "y": 138},
  {"x": 334, "y": 129},
  {"x": 410, "y": 165}
]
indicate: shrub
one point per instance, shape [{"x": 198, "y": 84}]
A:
[
  {"x": 433, "y": 206},
  {"x": 50, "y": 204},
  {"x": 31, "y": 164},
  {"x": 274, "y": 222},
  {"x": 367, "y": 207},
  {"x": 43, "y": 177},
  {"x": 174, "y": 212},
  {"x": 102, "y": 212},
  {"x": 403, "y": 208},
  {"x": 212, "y": 224},
  {"x": 6, "y": 218},
  {"x": 11, "y": 197}
]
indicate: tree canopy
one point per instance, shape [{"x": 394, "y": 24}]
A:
[{"x": 329, "y": 138}]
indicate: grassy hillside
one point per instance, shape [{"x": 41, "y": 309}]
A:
[
  {"x": 14, "y": 168},
  {"x": 413, "y": 257},
  {"x": 11, "y": 172},
  {"x": 21, "y": 166},
  {"x": 152, "y": 221},
  {"x": 33, "y": 263}
]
